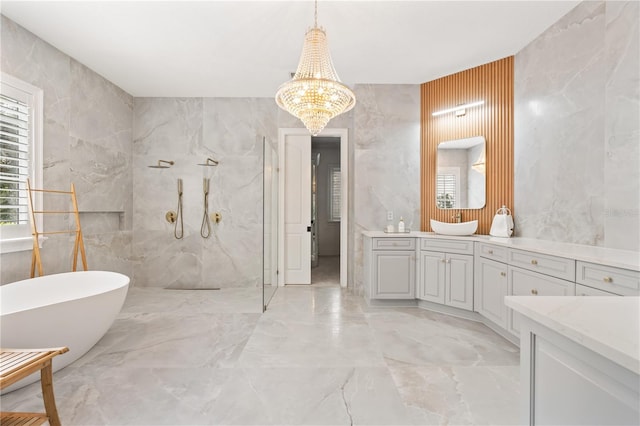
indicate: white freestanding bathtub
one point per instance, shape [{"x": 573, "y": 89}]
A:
[{"x": 73, "y": 309}]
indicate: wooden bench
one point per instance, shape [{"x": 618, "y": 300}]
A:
[{"x": 15, "y": 365}]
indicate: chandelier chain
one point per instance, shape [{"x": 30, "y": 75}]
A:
[{"x": 315, "y": 15}]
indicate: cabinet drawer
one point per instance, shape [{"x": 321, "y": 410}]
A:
[
  {"x": 527, "y": 283},
  {"x": 394, "y": 243},
  {"x": 449, "y": 246},
  {"x": 607, "y": 278},
  {"x": 582, "y": 290},
  {"x": 492, "y": 252},
  {"x": 558, "y": 267}
]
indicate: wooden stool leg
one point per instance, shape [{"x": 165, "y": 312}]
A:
[{"x": 46, "y": 379}]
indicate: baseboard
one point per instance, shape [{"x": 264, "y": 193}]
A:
[
  {"x": 392, "y": 303},
  {"x": 449, "y": 310}
]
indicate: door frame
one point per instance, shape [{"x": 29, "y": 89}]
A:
[{"x": 343, "y": 134}]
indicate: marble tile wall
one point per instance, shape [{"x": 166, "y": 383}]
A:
[
  {"x": 386, "y": 163},
  {"x": 187, "y": 131},
  {"x": 577, "y": 97},
  {"x": 385, "y": 171},
  {"x": 87, "y": 141},
  {"x": 622, "y": 126},
  {"x": 89, "y": 128}
]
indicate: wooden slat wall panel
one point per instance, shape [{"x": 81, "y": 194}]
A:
[{"x": 492, "y": 83}]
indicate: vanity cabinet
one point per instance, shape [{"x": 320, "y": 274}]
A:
[
  {"x": 392, "y": 268},
  {"x": 471, "y": 276},
  {"x": 554, "y": 266},
  {"x": 447, "y": 277},
  {"x": 502, "y": 271},
  {"x": 490, "y": 288},
  {"x": 526, "y": 283},
  {"x": 608, "y": 279},
  {"x": 586, "y": 375}
]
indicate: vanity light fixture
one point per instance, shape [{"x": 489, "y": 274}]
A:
[
  {"x": 459, "y": 110},
  {"x": 479, "y": 167},
  {"x": 315, "y": 94}
]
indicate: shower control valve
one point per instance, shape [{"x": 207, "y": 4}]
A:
[{"x": 171, "y": 216}]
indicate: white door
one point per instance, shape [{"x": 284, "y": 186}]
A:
[{"x": 297, "y": 215}]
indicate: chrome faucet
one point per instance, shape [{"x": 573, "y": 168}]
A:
[{"x": 457, "y": 217}]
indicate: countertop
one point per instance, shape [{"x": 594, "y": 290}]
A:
[
  {"x": 625, "y": 259},
  {"x": 609, "y": 326}
]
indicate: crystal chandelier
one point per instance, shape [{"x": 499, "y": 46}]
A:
[{"x": 315, "y": 94}]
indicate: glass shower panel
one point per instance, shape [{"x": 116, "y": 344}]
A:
[{"x": 270, "y": 220}]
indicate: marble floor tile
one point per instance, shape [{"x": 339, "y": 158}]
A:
[
  {"x": 310, "y": 396},
  {"x": 327, "y": 273},
  {"x": 311, "y": 300},
  {"x": 173, "y": 340},
  {"x": 329, "y": 340},
  {"x": 452, "y": 395},
  {"x": 93, "y": 395},
  {"x": 417, "y": 337},
  {"x": 317, "y": 356},
  {"x": 225, "y": 300}
]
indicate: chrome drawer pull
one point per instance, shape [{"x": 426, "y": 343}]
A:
[
  {"x": 607, "y": 279},
  {"x": 534, "y": 292},
  {"x": 503, "y": 274},
  {"x": 534, "y": 262}
]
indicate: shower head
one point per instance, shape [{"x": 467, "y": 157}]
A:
[
  {"x": 209, "y": 162},
  {"x": 160, "y": 166}
]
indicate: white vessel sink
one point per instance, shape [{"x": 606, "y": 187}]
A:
[{"x": 464, "y": 228}]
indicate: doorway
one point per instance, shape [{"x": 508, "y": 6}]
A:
[
  {"x": 296, "y": 235},
  {"x": 325, "y": 210}
]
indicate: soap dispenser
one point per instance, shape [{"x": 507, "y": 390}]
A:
[{"x": 401, "y": 225}]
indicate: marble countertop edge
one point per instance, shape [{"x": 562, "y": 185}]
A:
[
  {"x": 606, "y": 325},
  {"x": 625, "y": 259}
]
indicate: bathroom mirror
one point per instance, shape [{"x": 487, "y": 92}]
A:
[{"x": 461, "y": 178}]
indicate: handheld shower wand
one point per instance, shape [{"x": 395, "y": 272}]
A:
[
  {"x": 180, "y": 234},
  {"x": 205, "y": 229}
]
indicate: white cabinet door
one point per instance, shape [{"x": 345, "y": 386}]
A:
[
  {"x": 459, "y": 279},
  {"x": 527, "y": 283},
  {"x": 490, "y": 289},
  {"x": 432, "y": 276},
  {"x": 394, "y": 274}
]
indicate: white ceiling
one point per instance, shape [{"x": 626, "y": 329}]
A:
[{"x": 247, "y": 49}]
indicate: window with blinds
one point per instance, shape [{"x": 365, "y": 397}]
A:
[
  {"x": 335, "y": 193},
  {"x": 20, "y": 159},
  {"x": 14, "y": 160},
  {"x": 446, "y": 185}
]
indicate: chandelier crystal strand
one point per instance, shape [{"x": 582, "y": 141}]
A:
[{"x": 315, "y": 94}]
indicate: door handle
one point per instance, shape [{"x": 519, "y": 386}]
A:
[{"x": 308, "y": 229}]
